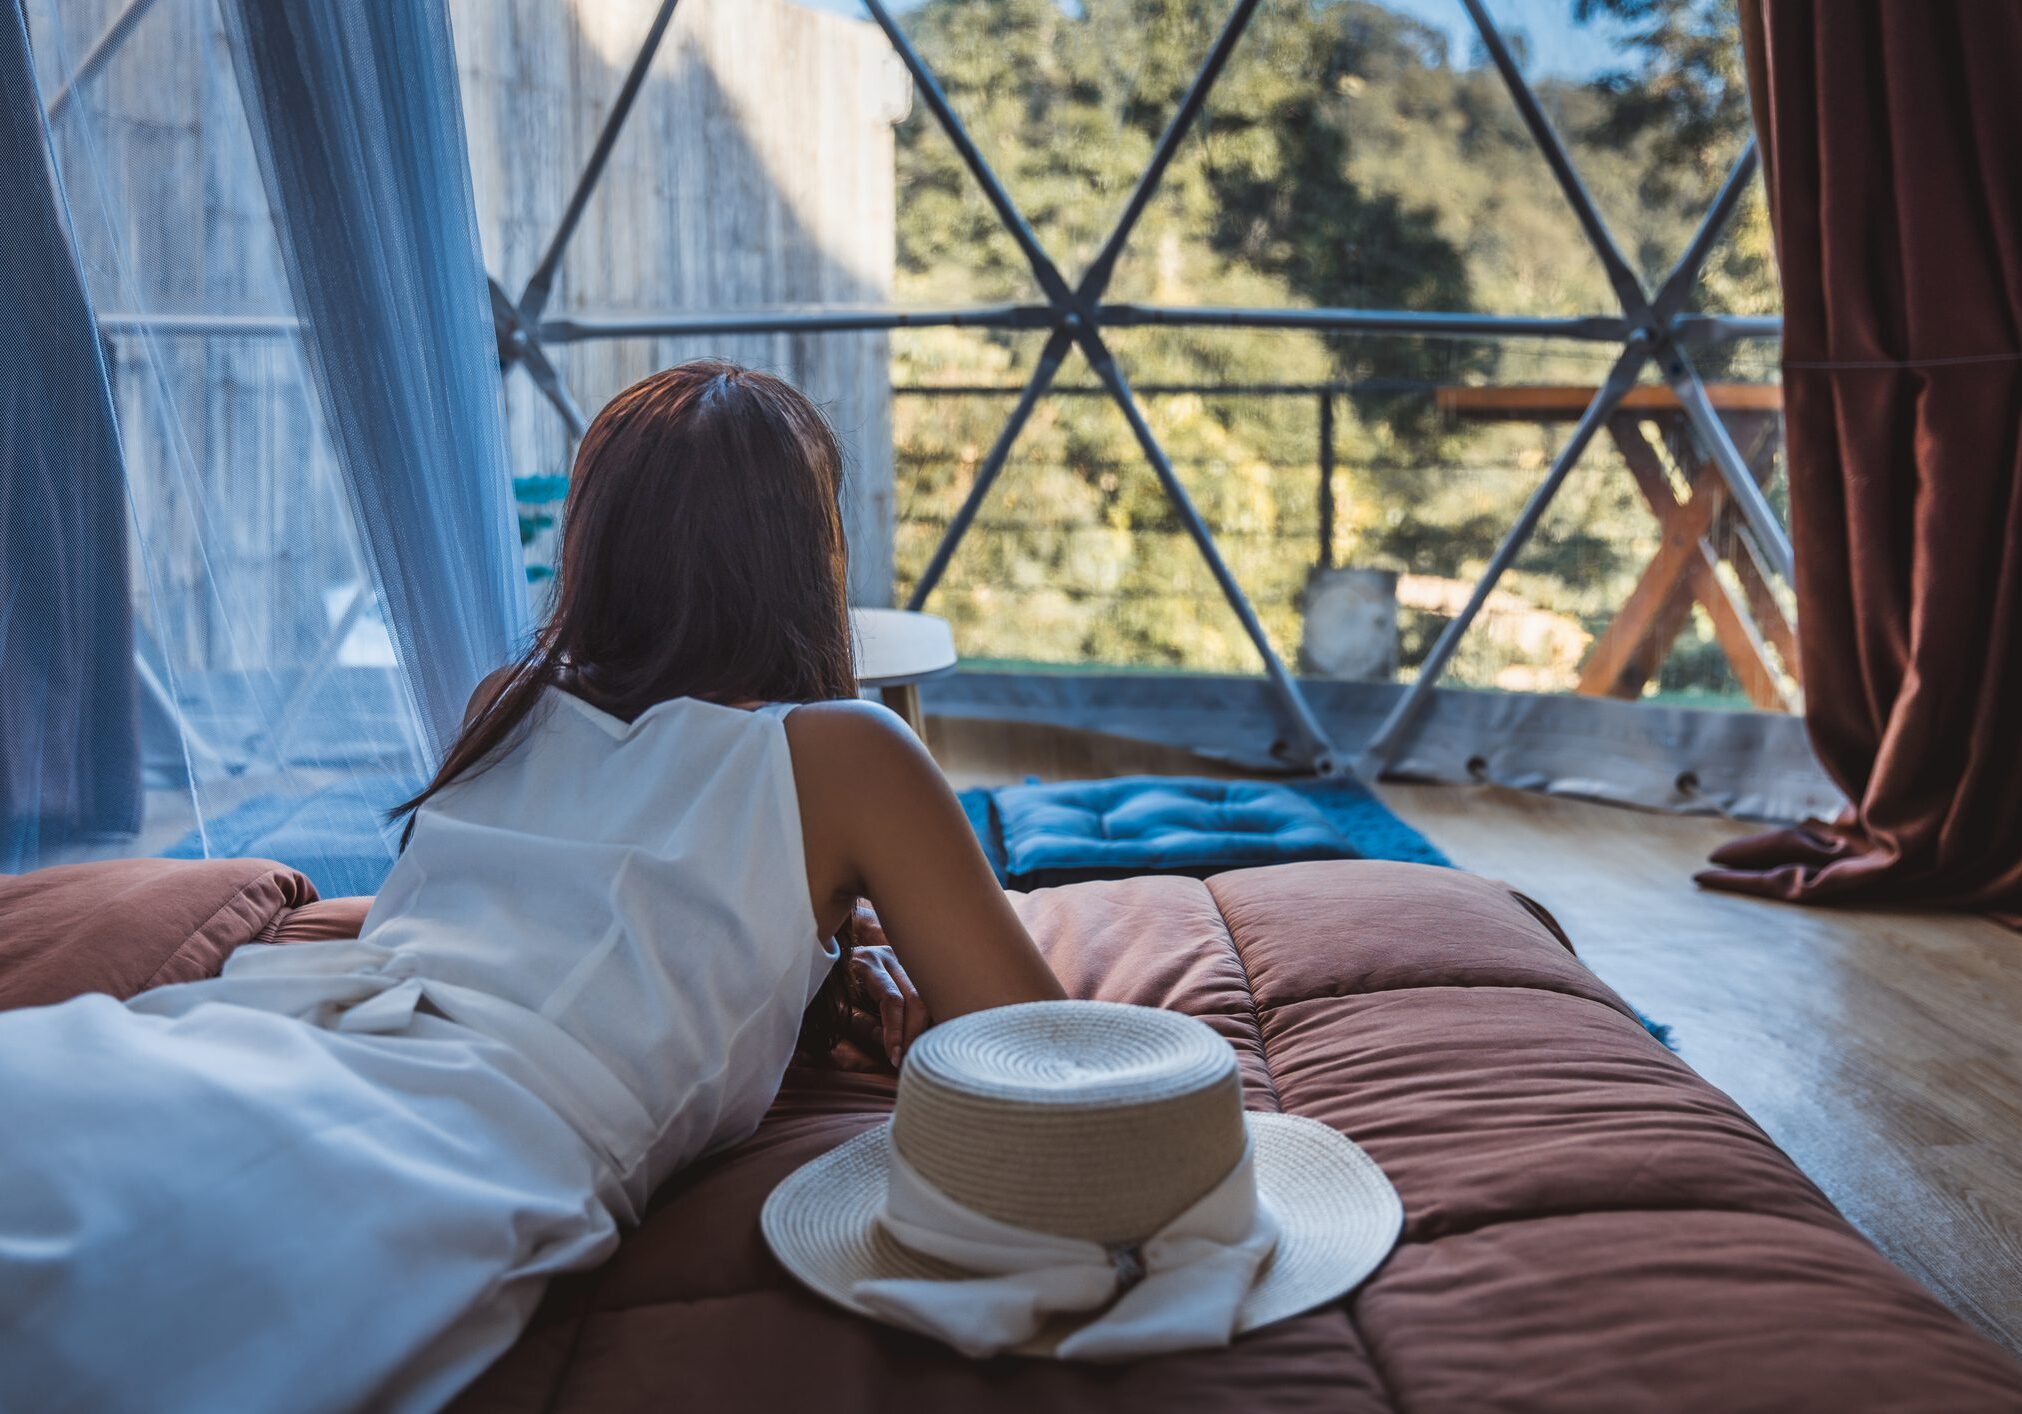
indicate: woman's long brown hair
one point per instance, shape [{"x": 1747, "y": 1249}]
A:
[{"x": 702, "y": 555}]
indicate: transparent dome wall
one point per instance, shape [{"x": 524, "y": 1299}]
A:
[
  {"x": 1344, "y": 347},
  {"x": 751, "y": 168}
]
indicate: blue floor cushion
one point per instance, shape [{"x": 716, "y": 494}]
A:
[{"x": 1039, "y": 835}]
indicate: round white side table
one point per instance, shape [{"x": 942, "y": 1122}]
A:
[{"x": 896, "y": 651}]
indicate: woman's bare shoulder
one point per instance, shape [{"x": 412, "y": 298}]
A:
[
  {"x": 881, "y": 822},
  {"x": 487, "y": 692},
  {"x": 863, "y": 780},
  {"x": 857, "y": 756},
  {"x": 850, "y": 734}
]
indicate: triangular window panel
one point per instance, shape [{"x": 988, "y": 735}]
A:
[
  {"x": 1651, "y": 103},
  {"x": 1359, "y": 155}
]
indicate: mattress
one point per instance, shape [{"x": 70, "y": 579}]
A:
[{"x": 1588, "y": 1224}]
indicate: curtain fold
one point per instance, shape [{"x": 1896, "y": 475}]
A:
[
  {"x": 1891, "y": 137},
  {"x": 358, "y": 128},
  {"x": 69, "y": 736}
]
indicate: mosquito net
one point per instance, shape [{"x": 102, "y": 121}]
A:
[{"x": 259, "y": 537}]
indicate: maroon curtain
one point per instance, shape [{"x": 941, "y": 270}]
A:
[{"x": 1891, "y": 136}]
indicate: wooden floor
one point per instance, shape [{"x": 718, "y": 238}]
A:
[{"x": 1882, "y": 1050}]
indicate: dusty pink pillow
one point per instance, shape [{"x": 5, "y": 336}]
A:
[{"x": 124, "y": 925}]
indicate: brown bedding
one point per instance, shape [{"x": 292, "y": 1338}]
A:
[
  {"x": 1588, "y": 1224},
  {"x": 123, "y": 925}
]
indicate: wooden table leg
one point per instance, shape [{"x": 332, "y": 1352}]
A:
[
  {"x": 1632, "y": 649},
  {"x": 1763, "y": 604},
  {"x": 905, "y": 700},
  {"x": 1735, "y": 632},
  {"x": 1738, "y": 626}
]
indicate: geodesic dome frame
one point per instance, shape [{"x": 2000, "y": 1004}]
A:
[{"x": 1651, "y": 328}]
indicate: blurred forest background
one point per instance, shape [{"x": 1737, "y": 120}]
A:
[{"x": 1351, "y": 155}]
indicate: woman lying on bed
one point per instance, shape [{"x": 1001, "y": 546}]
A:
[{"x": 341, "y": 1173}]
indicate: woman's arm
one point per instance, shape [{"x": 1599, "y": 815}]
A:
[{"x": 878, "y": 821}]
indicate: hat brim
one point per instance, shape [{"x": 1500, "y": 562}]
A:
[{"x": 1338, "y": 1217}]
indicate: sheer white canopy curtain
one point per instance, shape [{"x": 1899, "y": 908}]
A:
[
  {"x": 358, "y": 125},
  {"x": 257, "y": 519}
]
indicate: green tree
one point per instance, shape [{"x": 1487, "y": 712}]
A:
[
  {"x": 1682, "y": 97},
  {"x": 1344, "y": 159}
]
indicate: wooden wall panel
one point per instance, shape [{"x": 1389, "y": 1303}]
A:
[{"x": 755, "y": 170}]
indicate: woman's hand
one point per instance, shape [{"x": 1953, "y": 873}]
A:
[{"x": 886, "y": 1013}]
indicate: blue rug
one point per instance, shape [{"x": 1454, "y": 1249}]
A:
[
  {"x": 337, "y": 836},
  {"x": 1038, "y": 836}
]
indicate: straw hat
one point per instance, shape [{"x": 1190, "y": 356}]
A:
[{"x": 1081, "y": 1123}]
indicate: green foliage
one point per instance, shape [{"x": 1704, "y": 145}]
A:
[
  {"x": 1346, "y": 158},
  {"x": 1688, "y": 95}
]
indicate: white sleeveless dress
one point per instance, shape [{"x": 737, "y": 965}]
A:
[{"x": 294, "y": 1187}]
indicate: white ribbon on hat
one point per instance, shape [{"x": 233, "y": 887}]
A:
[{"x": 1196, "y": 1270}]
